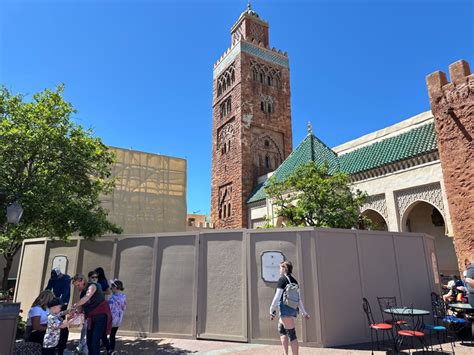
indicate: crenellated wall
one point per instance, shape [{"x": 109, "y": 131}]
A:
[{"x": 452, "y": 104}]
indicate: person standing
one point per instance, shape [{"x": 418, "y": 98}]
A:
[
  {"x": 60, "y": 284},
  {"x": 96, "y": 311},
  {"x": 102, "y": 281},
  {"x": 54, "y": 326},
  {"x": 286, "y": 322},
  {"x": 82, "y": 347},
  {"x": 469, "y": 280},
  {"x": 117, "y": 304}
]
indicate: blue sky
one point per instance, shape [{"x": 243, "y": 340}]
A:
[{"x": 140, "y": 72}]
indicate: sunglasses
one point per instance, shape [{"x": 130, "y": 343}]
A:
[{"x": 94, "y": 277}]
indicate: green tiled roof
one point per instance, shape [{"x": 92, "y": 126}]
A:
[
  {"x": 310, "y": 149},
  {"x": 409, "y": 144}
]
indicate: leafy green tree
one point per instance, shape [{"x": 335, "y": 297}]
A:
[
  {"x": 312, "y": 197},
  {"x": 54, "y": 168}
]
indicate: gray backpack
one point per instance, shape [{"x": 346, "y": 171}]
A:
[{"x": 291, "y": 294}]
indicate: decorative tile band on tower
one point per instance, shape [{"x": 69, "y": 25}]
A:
[{"x": 269, "y": 55}]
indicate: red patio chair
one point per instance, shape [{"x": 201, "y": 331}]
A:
[
  {"x": 377, "y": 327},
  {"x": 411, "y": 330}
]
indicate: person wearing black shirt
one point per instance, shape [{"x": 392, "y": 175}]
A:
[
  {"x": 286, "y": 322},
  {"x": 96, "y": 311}
]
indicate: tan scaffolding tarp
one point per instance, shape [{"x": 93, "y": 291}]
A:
[{"x": 149, "y": 194}]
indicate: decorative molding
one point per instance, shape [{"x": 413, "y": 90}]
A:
[
  {"x": 228, "y": 58},
  {"x": 377, "y": 203},
  {"x": 269, "y": 55},
  {"x": 265, "y": 54},
  {"x": 430, "y": 193}
]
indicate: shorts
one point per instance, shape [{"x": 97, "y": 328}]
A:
[{"x": 286, "y": 311}]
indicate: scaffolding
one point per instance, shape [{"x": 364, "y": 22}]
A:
[{"x": 149, "y": 194}]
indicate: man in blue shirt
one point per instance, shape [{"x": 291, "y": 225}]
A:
[{"x": 60, "y": 284}]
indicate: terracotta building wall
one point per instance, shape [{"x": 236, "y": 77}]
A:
[
  {"x": 226, "y": 166},
  {"x": 452, "y": 104},
  {"x": 260, "y": 128},
  {"x": 247, "y": 142}
]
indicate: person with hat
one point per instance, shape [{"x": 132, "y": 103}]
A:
[
  {"x": 53, "y": 328},
  {"x": 60, "y": 284}
]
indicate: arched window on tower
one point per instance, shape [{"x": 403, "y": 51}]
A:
[
  {"x": 267, "y": 162},
  {"x": 225, "y": 80},
  {"x": 278, "y": 82}
]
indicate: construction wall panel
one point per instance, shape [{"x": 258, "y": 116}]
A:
[
  {"x": 59, "y": 248},
  {"x": 340, "y": 287},
  {"x": 29, "y": 282},
  {"x": 135, "y": 260},
  {"x": 413, "y": 271},
  {"x": 96, "y": 254},
  {"x": 222, "y": 295},
  {"x": 262, "y": 292},
  {"x": 175, "y": 285},
  {"x": 379, "y": 269}
]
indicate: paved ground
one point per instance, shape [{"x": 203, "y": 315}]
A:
[{"x": 150, "y": 346}]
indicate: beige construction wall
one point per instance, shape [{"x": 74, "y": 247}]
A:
[{"x": 208, "y": 285}]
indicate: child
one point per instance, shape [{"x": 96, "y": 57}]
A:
[
  {"x": 117, "y": 304},
  {"x": 54, "y": 326}
]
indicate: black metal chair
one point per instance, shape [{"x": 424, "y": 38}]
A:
[
  {"x": 377, "y": 327},
  {"x": 386, "y": 303},
  {"x": 452, "y": 323},
  {"x": 437, "y": 327}
]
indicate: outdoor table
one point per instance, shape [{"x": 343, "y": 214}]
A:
[
  {"x": 409, "y": 312},
  {"x": 406, "y": 311},
  {"x": 467, "y": 308}
]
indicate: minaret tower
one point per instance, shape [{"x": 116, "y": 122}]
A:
[{"x": 251, "y": 118}]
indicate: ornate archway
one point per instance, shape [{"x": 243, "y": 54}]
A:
[
  {"x": 424, "y": 217},
  {"x": 378, "y": 222}
]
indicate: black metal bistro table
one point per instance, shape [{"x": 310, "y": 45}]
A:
[
  {"x": 466, "y": 308},
  {"x": 409, "y": 312}
]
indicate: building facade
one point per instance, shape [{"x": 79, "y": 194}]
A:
[
  {"x": 251, "y": 118},
  {"x": 417, "y": 173},
  {"x": 398, "y": 167}
]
